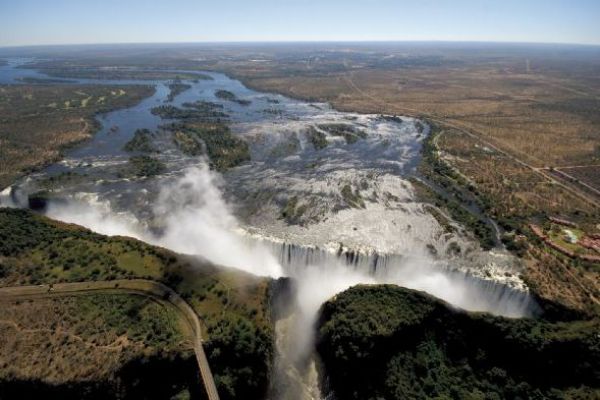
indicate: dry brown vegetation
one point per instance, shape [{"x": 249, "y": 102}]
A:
[
  {"x": 588, "y": 175},
  {"x": 542, "y": 114},
  {"x": 83, "y": 338},
  {"x": 513, "y": 194},
  {"x": 38, "y": 122},
  {"x": 517, "y": 191}
]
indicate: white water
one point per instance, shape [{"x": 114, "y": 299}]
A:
[
  {"x": 196, "y": 220},
  {"x": 320, "y": 275}
]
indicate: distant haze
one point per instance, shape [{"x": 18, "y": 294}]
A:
[{"x": 38, "y": 22}]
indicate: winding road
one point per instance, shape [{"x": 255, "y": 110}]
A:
[{"x": 153, "y": 290}]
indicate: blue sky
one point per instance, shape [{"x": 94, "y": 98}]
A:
[{"x": 27, "y": 22}]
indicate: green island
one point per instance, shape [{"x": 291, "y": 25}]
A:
[
  {"x": 230, "y": 96},
  {"x": 120, "y": 346},
  {"x": 131, "y": 69},
  {"x": 208, "y": 110},
  {"x": 202, "y": 129},
  {"x": 198, "y": 111},
  {"x": 44, "y": 81},
  {"x": 388, "y": 342},
  {"x": 223, "y": 148},
  {"x": 140, "y": 142},
  {"x": 63, "y": 178},
  {"x": 317, "y": 138},
  {"x": 176, "y": 87},
  {"x": 348, "y": 132},
  {"x": 293, "y": 212},
  {"x": 145, "y": 166}
]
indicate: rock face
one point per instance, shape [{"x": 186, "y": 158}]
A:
[{"x": 386, "y": 342}]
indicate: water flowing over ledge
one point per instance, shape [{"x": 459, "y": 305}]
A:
[
  {"x": 460, "y": 288},
  {"x": 333, "y": 171}
]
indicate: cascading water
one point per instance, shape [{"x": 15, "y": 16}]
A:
[
  {"x": 320, "y": 274},
  {"x": 419, "y": 272},
  {"x": 351, "y": 189}
]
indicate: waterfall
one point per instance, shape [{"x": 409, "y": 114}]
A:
[
  {"x": 321, "y": 273},
  {"x": 459, "y": 287}
]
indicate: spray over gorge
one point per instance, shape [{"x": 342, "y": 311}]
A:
[{"x": 278, "y": 188}]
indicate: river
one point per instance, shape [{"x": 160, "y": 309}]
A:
[{"x": 360, "y": 221}]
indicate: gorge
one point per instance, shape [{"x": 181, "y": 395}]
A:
[{"x": 304, "y": 191}]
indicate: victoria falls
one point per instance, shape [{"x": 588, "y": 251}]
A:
[{"x": 347, "y": 279}]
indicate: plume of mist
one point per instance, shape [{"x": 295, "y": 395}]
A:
[
  {"x": 197, "y": 220},
  {"x": 96, "y": 215},
  {"x": 315, "y": 284},
  {"x": 194, "y": 218}
]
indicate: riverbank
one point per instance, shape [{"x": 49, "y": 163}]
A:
[{"x": 41, "y": 123}]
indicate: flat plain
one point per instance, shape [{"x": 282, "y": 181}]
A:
[{"x": 38, "y": 122}]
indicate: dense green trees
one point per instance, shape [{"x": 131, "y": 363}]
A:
[
  {"x": 223, "y": 148},
  {"x": 141, "y": 142},
  {"x": 394, "y": 343},
  {"x": 146, "y": 166},
  {"x": 35, "y": 250},
  {"x": 349, "y": 132},
  {"x": 240, "y": 356}
]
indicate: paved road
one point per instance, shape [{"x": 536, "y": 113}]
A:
[{"x": 151, "y": 289}]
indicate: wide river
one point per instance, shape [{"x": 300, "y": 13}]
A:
[{"x": 356, "y": 218}]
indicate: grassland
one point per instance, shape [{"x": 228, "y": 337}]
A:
[
  {"x": 65, "y": 347},
  {"x": 38, "y": 122},
  {"x": 585, "y": 177},
  {"x": 102, "y": 324},
  {"x": 233, "y": 306},
  {"x": 478, "y": 177}
]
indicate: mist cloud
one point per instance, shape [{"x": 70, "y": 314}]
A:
[{"x": 194, "y": 217}]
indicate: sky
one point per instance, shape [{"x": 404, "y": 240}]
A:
[{"x": 38, "y": 22}]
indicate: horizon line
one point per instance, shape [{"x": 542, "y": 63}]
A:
[{"x": 307, "y": 41}]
